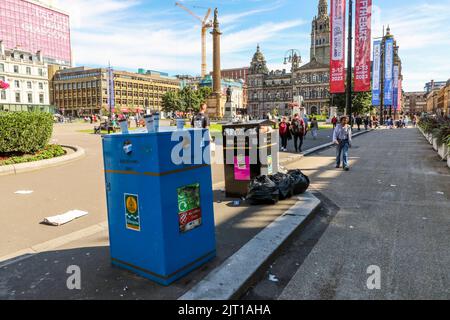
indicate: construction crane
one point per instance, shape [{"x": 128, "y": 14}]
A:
[{"x": 205, "y": 26}]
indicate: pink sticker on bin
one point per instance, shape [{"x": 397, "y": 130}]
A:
[{"x": 242, "y": 168}]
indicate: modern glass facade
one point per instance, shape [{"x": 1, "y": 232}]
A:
[{"x": 32, "y": 26}]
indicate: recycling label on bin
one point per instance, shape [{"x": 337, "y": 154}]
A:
[
  {"x": 189, "y": 211},
  {"x": 132, "y": 212}
]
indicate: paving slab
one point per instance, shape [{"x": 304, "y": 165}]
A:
[
  {"x": 234, "y": 276},
  {"x": 393, "y": 212},
  {"x": 43, "y": 275}
]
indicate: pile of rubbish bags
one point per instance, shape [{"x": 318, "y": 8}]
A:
[{"x": 280, "y": 186}]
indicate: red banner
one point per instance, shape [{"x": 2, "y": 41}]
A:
[
  {"x": 337, "y": 54},
  {"x": 362, "y": 45}
]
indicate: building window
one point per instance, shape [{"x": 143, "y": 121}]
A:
[
  {"x": 16, "y": 69},
  {"x": 29, "y": 86},
  {"x": 28, "y": 70},
  {"x": 30, "y": 98},
  {"x": 2, "y": 67},
  {"x": 41, "y": 72},
  {"x": 41, "y": 98},
  {"x": 17, "y": 83},
  {"x": 3, "y": 94},
  {"x": 18, "y": 97}
]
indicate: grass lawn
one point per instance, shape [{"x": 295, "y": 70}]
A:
[
  {"x": 214, "y": 127},
  {"x": 325, "y": 126}
]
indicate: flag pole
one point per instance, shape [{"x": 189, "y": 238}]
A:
[{"x": 349, "y": 62}]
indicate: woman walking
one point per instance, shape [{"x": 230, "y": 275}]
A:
[
  {"x": 284, "y": 133},
  {"x": 314, "y": 128},
  {"x": 342, "y": 138}
]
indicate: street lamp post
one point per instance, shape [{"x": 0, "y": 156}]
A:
[{"x": 293, "y": 57}]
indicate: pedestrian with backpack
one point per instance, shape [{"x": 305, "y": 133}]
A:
[{"x": 298, "y": 130}]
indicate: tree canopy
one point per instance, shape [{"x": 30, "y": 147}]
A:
[
  {"x": 361, "y": 102},
  {"x": 184, "y": 100}
]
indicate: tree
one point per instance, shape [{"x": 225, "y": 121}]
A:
[
  {"x": 186, "y": 99},
  {"x": 171, "y": 102},
  {"x": 361, "y": 102},
  {"x": 204, "y": 92}
]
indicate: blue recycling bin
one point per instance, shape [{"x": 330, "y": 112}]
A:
[{"x": 160, "y": 202}]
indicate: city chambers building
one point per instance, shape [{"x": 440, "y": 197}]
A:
[
  {"x": 270, "y": 91},
  {"x": 83, "y": 91}
]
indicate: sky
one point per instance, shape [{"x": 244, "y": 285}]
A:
[{"x": 157, "y": 35}]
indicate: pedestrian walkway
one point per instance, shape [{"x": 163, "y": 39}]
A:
[
  {"x": 323, "y": 136},
  {"x": 393, "y": 214}
]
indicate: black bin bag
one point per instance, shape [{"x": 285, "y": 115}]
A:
[
  {"x": 284, "y": 182},
  {"x": 262, "y": 190},
  {"x": 299, "y": 180}
]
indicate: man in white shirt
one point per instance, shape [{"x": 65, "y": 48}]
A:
[{"x": 342, "y": 137}]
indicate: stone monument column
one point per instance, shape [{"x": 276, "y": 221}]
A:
[
  {"x": 216, "y": 101},
  {"x": 217, "y": 77}
]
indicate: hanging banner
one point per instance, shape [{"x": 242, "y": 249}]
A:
[
  {"x": 111, "y": 99},
  {"x": 337, "y": 54},
  {"x": 362, "y": 45},
  {"x": 376, "y": 75},
  {"x": 389, "y": 72},
  {"x": 400, "y": 94},
  {"x": 395, "y": 85}
]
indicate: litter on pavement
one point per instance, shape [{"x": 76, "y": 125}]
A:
[
  {"x": 273, "y": 278},
  {"x": 24, "y": 192},
  {"x": 64, "y": 218}
]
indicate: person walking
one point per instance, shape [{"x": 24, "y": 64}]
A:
[
  {"x": 314, "y": 128},
  {"x": 366, "y": 123},
  {"x": 334, "y": 121},
  {"x": 306, "y": 121},
  {"x": 358, "y": 120},
  {"x": 201, "y": 119},
  {"x": 342, "y": 138},
  {"x": 284, "y": 133},
  {"x": 298, "y": 131}
]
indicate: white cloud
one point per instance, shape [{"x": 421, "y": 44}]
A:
[
  {"x": 110, "y": 31},
  {"x": 423, "y": 34}
]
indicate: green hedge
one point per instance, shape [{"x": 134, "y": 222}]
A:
[{"x": 24, "y": 132}]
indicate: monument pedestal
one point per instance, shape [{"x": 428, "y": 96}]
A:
[
  {"x": 216, "y": 106},
  {"x": 230, "y": 112}
]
